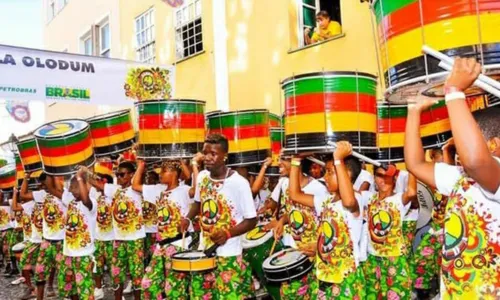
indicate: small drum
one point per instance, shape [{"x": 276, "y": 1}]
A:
[
  {"x": 7, "y": 177},
  {"x": 456, "y": 28},
  {"x": 274, "y": 120},
  {"x": 64, "y": 145},
  {"x": 170, "y": 129},
  {"x": 330, "y": 106},
  {"x": 29, "y": 154},
  {"x": 426, "y": 204},
  {"x": 112, "y": 133},
  {"x": 256, "y": 237},
  {"x": 286, "y": 265},
  {"x": 192, "y": 261},
  {"x": 18, "y": 249},
  {"x": 247, "y": 132}
]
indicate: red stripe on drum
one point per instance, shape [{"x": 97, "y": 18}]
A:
[
  {"x": 181, "y": 121},
  {"x": 243, "y": 132},
  {"x": 110, "y": 131},
  {"x": 66, "y": 150},
  {"x": 321, "y": 102}
]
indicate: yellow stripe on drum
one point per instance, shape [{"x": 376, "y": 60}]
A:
[
  {"x": 249, "y": 144},
  {"x": 114, "y": 139},
  {"x": 392, "y": 140},
  {"x": 171, "y": 136},
  {"x": 31, "y": 160},
  {"x": 68, "y": 160},
  {"x": 447, "y": 34},
  {"x": 337, "y": 121}
]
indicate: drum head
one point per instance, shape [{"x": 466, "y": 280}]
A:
[
  {"x": 286, "y": 257},
  {"x": 61, "y": 128},
  {"x": 7, "y": 169},
  {"x": 19, "y": 247},
  {"x": 426, "y": 203},
  {"x": 256, "y": 237},
  {"x": 190, "y": 255}
]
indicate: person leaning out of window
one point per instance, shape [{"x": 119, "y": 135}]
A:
[{"x": 326, "y": 29}]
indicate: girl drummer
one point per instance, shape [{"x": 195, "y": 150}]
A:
[
  {"x": 172, "y": 201},
  {"x": 387, "y": 270},
  {"x": 336, "y": 251}
]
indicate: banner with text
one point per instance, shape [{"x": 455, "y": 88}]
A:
[{"x": 30, "y": 74}]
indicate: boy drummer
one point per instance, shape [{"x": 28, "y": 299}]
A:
[{"x": 225, "y": 202}]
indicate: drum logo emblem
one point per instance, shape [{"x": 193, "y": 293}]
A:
[
  {"x": 455, "y": 236},
  {"x": 56, "y": 129},
  {"x": 210, "y": 211},
  {"x": 380, "y": 226},
  {"x": 256, "y": 233}
]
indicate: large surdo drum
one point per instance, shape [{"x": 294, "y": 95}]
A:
[
  {"x": 247, "y": 132},
  {"x": 112, "y": 133},
  {"x": 330, "y": 106},
  {"x": 170, "y": 128},
  {"x": 29, "y": 154},
  {"x": 64, "y": 145},
  {"x": 7, "y": 177}
]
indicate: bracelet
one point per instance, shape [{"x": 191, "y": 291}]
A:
[
  {"x": 194, "y": 163},
  {"x": 295, "y": 163},
  {"x": 338, "y": 162},
  {"x": 454, "y": 96},
  {"x": 228, "y": 234},
  {"x": 79, "y": 179}
]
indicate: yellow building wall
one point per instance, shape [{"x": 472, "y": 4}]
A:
[
  {"x": 194, "y": 76},
  {"x": 259, "y": 40}
]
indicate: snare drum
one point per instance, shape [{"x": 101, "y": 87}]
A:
[
  {"x": 29, "y": 154},
  {"x": 192, "y": 261},
  {"x": 455, "y": 27},
  {"x": 170, "y": 129},
  {"x": 7, "y": 177},
  {"x": 286, "y": 265},
  {"x": 330, "y": 106},
  {"x": 426, "y": 204},
  {"x": 18, "y": 249},
  {"x": 64, "y": 145},
  {"x": 247, "y": 132},
  {"x": 112, "y": 133}
]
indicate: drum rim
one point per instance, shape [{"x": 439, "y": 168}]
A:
[
  {"x": 106, "y": 115},
  {"x": 113, "y": 152},
  {"x": 62, "y": 136},
  {"x": 238, "y": 112},
  {"x": 176, "y": 255},
  {"x": 323, "y": 149},
  {"x": 245, "y": 242},
  {"x": 280, "y": 269},
  {"x": 25, "y": 138},
  {"x": 152, "y": 101},
  {"x": 328, "y": 73},
  {"x": 7, "y": 167}
]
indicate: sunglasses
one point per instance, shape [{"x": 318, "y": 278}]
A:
[{"x": 121, "y": 174}]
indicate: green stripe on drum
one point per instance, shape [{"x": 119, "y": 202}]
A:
[
  {"x": 110, "y": 122},
  {"x": 64, "y": 141},
  {"x": 330, "y": 85},
  {"x": 399, "y": 111},
  {"x": 26, "y": 145},
  {"x": 161, "y": 108},
  {"x": 277, "y": 135},
  {"x": 232, "y": 120},
  {"x": 386, "y": 7}
]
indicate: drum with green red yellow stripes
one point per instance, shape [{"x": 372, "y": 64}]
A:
[
  {"x": 172, "y": 128},
  {"x": 112, "y": 133},
  {"x": 277, "y": 137},
  {"x": 7, "y": 177},
  {"x": 454, "y": 27},
  {"x": 247, "y": 132},
  {"x": 330, "y": 106},
  {"x": 32, "y": 182},
  {"x": 64, "y": 145},
  {"x": 29, "y": 154},
  {"x": 274, "y": 120}
]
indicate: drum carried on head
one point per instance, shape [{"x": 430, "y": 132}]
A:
[
  {"x": 247, "y": 132},
  {"x": 64, "y": 145},
  {"x": 32, "y": 182},
  {"x": 29, "y": 154},
  {"x": 7, "y": 177},
  {"x": 277, "y": 137},
  {"x": 112, "y": 133},
  {"x": 330, "y": 106},
  {"x": 286, "y": 265},
  {"x": 457, "y": 28},
  {"x": 170, "y": 129}
]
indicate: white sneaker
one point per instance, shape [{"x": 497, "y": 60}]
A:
[
  {"x": 18, "y": 281},
  {"x": 98, "y": 294},
  {"x": 128, "y": 288}
]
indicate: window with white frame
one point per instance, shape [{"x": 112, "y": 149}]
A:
[
  {"x": 307, "y": 14},
  {"x": 87, "y": 46},
  {"x": 145, "y": 37},
  {"x": 104, "y": 42},
  {"x": 188, "y": 29}
]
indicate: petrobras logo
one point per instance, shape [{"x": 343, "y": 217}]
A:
[{"x": 66, "y": 93}]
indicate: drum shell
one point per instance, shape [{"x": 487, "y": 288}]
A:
[
  {"x": 201, "y": 265},
  {"x": 454, "y": 27},
  {"x": 62, "y": 153},
  {"x": 112, "y": 133},
  {"x": 29, "y": 154},
  {"x": 7, "y": 177},
  {"x": 330, "y": 106},
  {"x": 170, "y": 128},
  {"x": 274, "y": 120},
  {"x": 286, "y": 273},
  {"x": 247, "y": 132}
]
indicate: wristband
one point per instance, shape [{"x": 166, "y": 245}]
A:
[
  {"x": 451, "y": 89},
  {"x": 228, "y": 234},
  {"x": 295, "y": 163},
  {"x": 454, "y": 96},
  {"x": 79, "y": 179},
  {"x": 194, "y": 163},
  {"x": 338, "y": 162}
]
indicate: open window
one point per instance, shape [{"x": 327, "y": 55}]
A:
[{"x": 309, "y": 31}]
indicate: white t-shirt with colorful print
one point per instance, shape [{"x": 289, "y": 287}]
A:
[
  {"x": 150, "y": 209},
  {"x": 471, "y": 252},
  {"x": 35, "y": 211},
  {"x": 53, "y": 213},
  {"x": 104, "y": 217},
  {"x": 5, "y": 222},
  {"x": 338, "y": 239},
  {"x": 128, "y": 223},
  {"x": 79, "y": 235},
  {"x": 224, "y": 204}
]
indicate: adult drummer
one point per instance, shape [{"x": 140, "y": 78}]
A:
[
  {"x": 471, "y": 252},
  {"x": 172, "y": 201},
  {"x": 227, "y": 211}
]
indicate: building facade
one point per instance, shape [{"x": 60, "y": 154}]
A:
[{"x": 232, "y": 54}]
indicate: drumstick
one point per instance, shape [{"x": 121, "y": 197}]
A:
[
  {"x": 361, "y": 157},
  {"x": 272, "y": 248}
]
